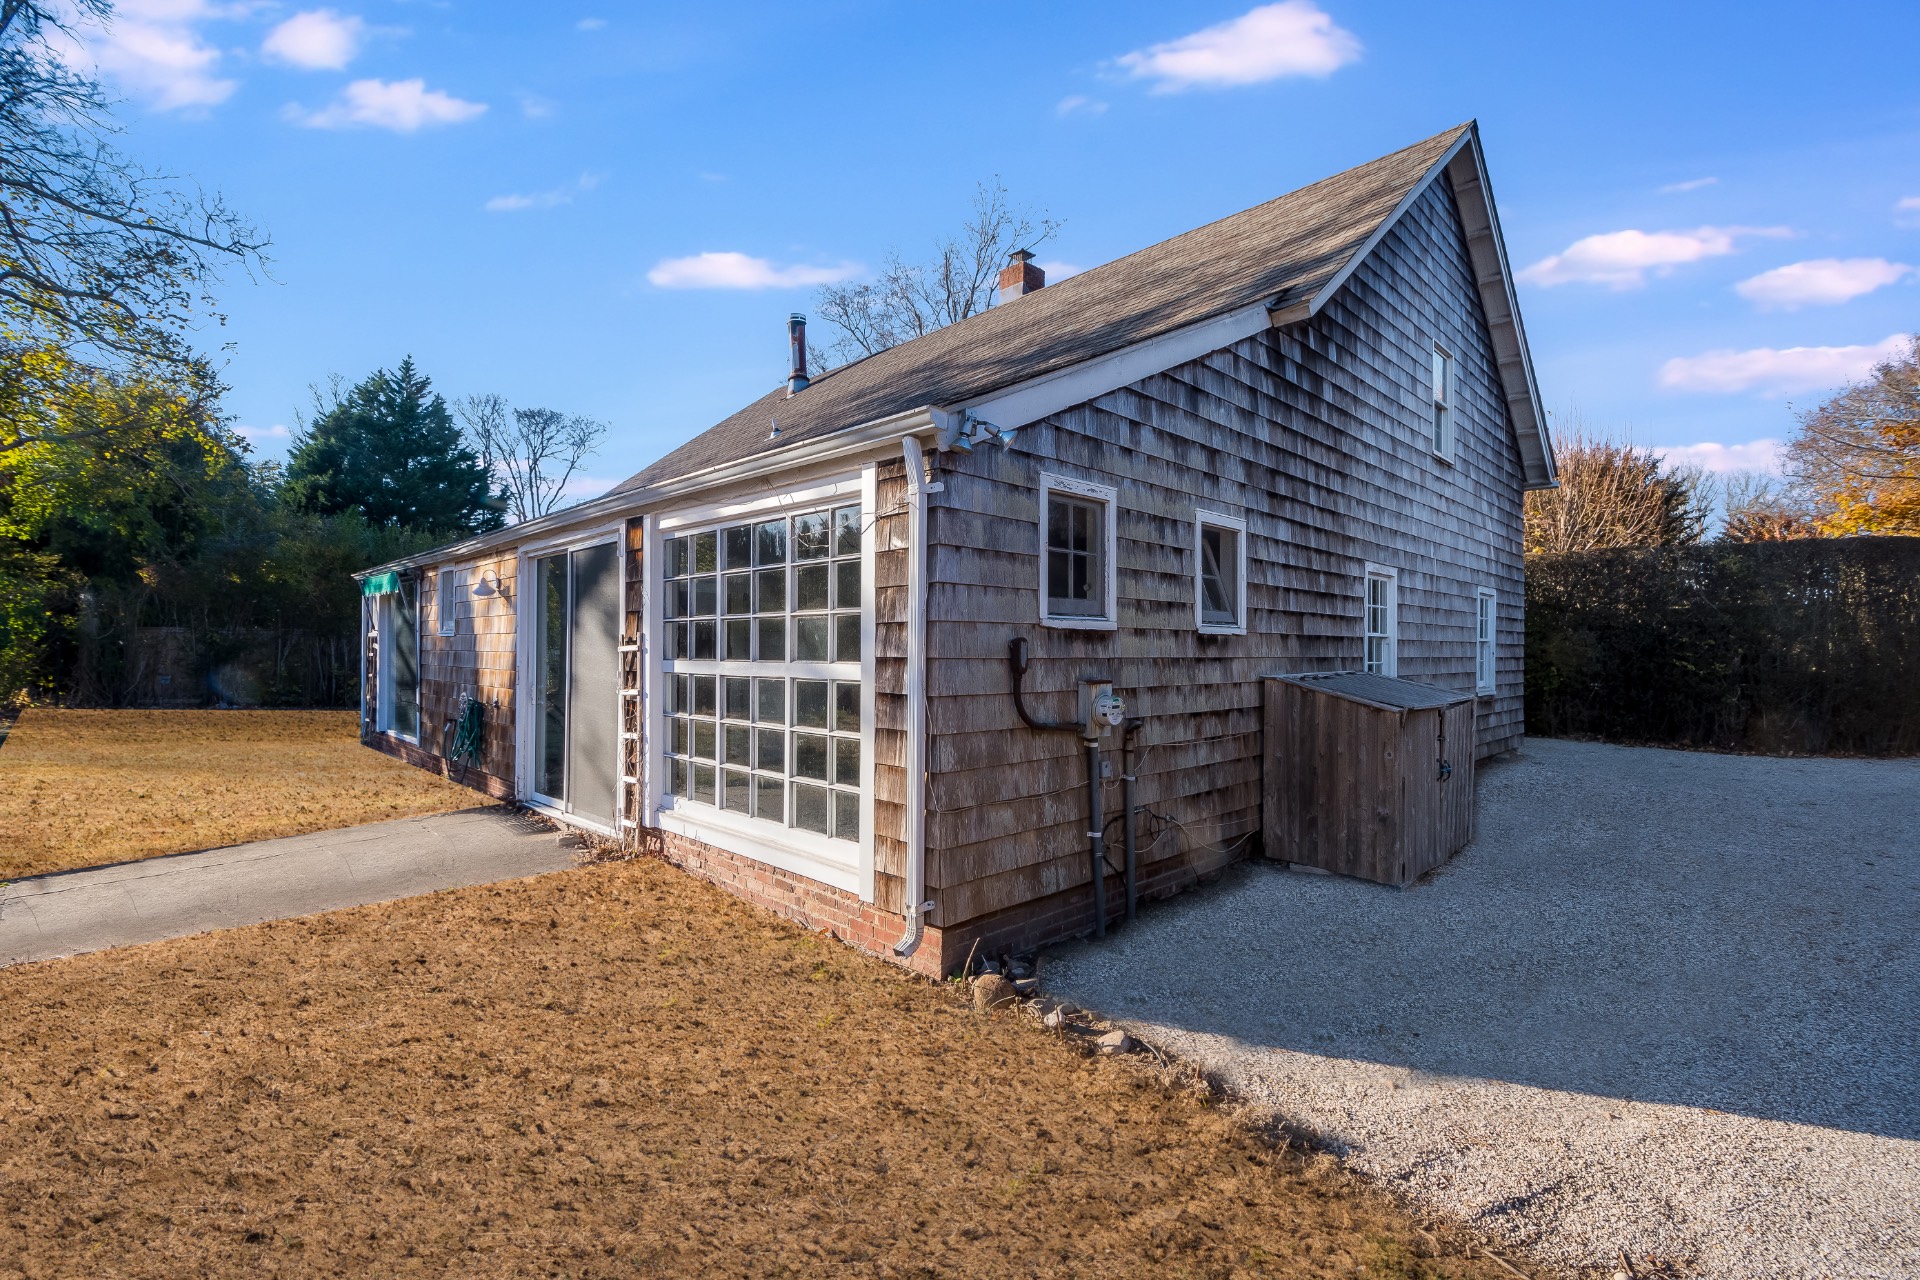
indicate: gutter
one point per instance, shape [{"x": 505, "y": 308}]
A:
[{"x": 916, "y": 762}]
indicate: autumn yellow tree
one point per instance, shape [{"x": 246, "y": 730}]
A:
[{"x": 1856, "y": 458}]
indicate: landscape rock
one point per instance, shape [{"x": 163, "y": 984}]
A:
[
  {"x": 990, "y": 991},
  {"x": 1114, "y": 1042}
]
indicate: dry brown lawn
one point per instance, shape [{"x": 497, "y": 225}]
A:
[
  {"x": 617, "y": 1071},
  {"x": 85, "y": 788}
]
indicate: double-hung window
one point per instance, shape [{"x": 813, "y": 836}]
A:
[
  {"x": 1443, "y": 396},
  {"x": 1382, "y": 614},
  {"x": 1220, "y": 553},
  {"x": 763, "y": 631},
  {"x": 1485, "y": 640},
  {"x": 1076, "y": 553}
]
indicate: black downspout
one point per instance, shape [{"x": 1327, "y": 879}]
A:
[
  {"x": 1127, "y": 731},
  {"x": 1096, "y": 840}
]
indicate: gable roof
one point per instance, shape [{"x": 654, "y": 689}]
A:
[{"x": 1286, "y": 257}]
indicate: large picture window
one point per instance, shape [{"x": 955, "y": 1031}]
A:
[{"x": 763, "y": 700}]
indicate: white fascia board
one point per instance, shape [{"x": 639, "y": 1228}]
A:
[{"x": 1028, "y": 402}]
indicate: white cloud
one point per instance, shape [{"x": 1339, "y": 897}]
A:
[
  {"x": 1779, "y": 370},
  {"x": 154, "y": 51},
  {"x": 535, "y": 107},
  {"x": 1754, "y": 455},
  {"x": 738, "y": 271},
  {"x": 277, "y": 431},
  {"x": 1058, "y": 271},
  {"x": 544, "y": 199},
  {"x": 1078, "y": 105},
  {"x": 1822, "y": 282},
  {"x": 1622, "y": 259},
  {"x": 400, "y": 105},
  {"x": 1291, "y": 38},
  {"x": 590, "y": 24},
  {"x": 1906, "y": 212},
  {"x": 318, "y": 39},
  {"x": 580, "y": 488},
  {"x": 1691, "y": 184}
]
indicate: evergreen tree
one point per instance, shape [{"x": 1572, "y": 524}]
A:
[{"x": 389, "y": 450}]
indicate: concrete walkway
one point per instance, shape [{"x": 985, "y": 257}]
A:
[{"x": 70, "y": 912}]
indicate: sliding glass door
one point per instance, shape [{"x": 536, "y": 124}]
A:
[{"x": 576, "y": 680}]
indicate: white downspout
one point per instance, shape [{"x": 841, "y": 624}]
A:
[{"x": 916, "y": 762}]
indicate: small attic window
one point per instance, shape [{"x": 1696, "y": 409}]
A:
[{"x": 1443, "y": 395}]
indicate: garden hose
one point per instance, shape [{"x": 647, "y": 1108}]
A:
[{"x": 468, "y": 738}]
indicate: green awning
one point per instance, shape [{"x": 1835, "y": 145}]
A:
[{"x": 380, "y": 584}]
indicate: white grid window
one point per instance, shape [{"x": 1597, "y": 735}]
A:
[
  {"x": 1076, "y": 553},
  {"x": 1443, "y": 393},
  {"x": 1485, "y": 641},
  {"x": 451, "y": 585},
  {"x": 1382, "y": 621},
  {"x": 762, "y": 625},
  {"x": 1220, "y": 577}
]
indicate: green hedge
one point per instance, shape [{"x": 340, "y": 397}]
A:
[{"x": 1803, "y": 647}]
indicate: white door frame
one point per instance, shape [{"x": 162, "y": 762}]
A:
[{"x": 526, "y": 625}]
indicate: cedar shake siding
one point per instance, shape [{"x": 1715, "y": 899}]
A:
[{"x": 1317, "y": 435}]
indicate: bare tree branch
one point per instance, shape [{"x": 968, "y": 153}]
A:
[{"x": 532, "y": 453}]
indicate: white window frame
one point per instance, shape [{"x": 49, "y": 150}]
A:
[
  {"x": 1486, "y": 641},
  {"x": 1203, "y": 520},
  {"x": 449, "y": 586},
  {"x": 841, "y": 864},
  {"x": 1108, "y": 497},
  {"x": 1380, "y": 573},
  {"x": 1442, "y": 411}
]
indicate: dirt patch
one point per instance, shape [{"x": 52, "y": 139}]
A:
[
  {"x": 85, "y": 788},
  {"x": 617, "y": 1070}
]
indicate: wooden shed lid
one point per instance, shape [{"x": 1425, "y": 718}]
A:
[{"x": 1389, "y": 693}]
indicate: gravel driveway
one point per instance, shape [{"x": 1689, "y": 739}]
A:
[{"x": 1668, "y": 1003}]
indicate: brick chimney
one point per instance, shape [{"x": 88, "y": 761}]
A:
[{"x": 1020, "y": 275}]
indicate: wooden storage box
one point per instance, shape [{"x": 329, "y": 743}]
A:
[{"x": 1367, "y": 775}]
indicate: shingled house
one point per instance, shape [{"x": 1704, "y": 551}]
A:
[{"x": 1293, "y": 440}]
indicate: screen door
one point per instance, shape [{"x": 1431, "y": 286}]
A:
[{"x": 576, "y": 671}]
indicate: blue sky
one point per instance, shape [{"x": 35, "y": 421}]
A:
[{"x": 1715, "y": 208}]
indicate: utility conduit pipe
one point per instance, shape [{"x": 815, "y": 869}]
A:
[{"x": 1096, "y": 836}]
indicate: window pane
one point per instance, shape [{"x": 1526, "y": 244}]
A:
[
  {"x": 739, "y": 744},
  {"x": 846, "y": 585},
  {"x": 739, "y": 593},
  {"x": 810, "y": 587},
  {"x": 771, "y": 587},
  {"x": 704, "y": 689},
  {"x": 704, "y": 639},
  {"x": 769, "y": 799},
  {"x": 810, "y": 808},
  {"x": 737, "y": 788},
  {"x": 772, "y": 707},
  {"x": 846, "y": 637},
  {"x": 706, "y": 595},
  {"x": 770, "y": 542},
  {"x": 704, "y": 739},
  {"x": 739, "y": 698},
  {"x": 706, "y": 552},
  {"x": 810, "y": 639},
  {"x": 703, "y": 783},
  {"x": 675, "y": 601},
  {"x": 676, "y": 736},
  {"x": 676, "y": 637},
  {"x": 846, "y": 706},
  {"x": 846, "y": 531},
  {"x": 676, "y": 557},
  {"x": 809, "y": 756},
  {"x": 846, "y": 761},
  {"x": 810, "y": 704},
  {"x": 773, "y": 638},
  {"x": 846, "y": 815},
  {"x": 675, "y": 691},
  {"x": 810, "y": 536},
  {"x": 739, "y": 639},
  {"x": 1219, "y": 567},
  {"x": 739, "y": 546},
  {"x": 677, "y": 777},
  {"x": 770, "y": 750}
]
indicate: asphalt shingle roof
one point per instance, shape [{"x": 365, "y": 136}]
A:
[{"x": 1282, "y": 251}]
